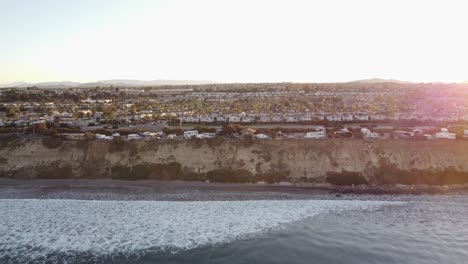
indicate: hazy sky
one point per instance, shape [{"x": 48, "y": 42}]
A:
[{"x": 326, "y": 40}]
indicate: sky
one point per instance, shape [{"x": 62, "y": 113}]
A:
[{"x": 233, "y": 41}]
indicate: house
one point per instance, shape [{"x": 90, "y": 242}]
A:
[
  {"x": 305, "y": 118},
  {"x": 333, "y": 117},
  {"x": 378, "y": 117},
  {"x": 206, "y": 119},
  {"x": 318, "y": 117},
  {"x": 191, "y": 119},
  {"x": 84, "y": 121},
  {"x": 347, "y": 117},
  {"x": 291, "y": 119},
  {"x": 220, "y": 119},
  {"x": 234, "y": 119},
  {"x": 361, "y": 117},
  {"x": 264, "y": 119},
  {"x": 277, "y": 119},
  {"x": 247, "y": 119}
]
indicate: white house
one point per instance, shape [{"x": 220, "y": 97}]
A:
[
  {"x": 333, "y": 117},
  {"x": 221, "y": 119},
  {"x": 234, "y": 119},
  {"x": 378, "y": 117},
  {"x": 206, "y": 119},
  {"x": 305, "y": 118},
  {"x": 319, "y": 117},
  {"x": 191, "y": 119},
  {"x": 361, "y": 117},
  {"x": 290, "y": 119},
  {"x": 347, "y": 117},
  {"x": 277, "y": 118},
  {"x": 264, "y": 119},
  {"x": 247, "y": 119}
]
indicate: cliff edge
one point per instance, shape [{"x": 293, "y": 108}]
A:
[{"x": 339, "y": 162}]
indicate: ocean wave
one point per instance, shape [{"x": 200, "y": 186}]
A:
[{"x": 41, "y": 229}]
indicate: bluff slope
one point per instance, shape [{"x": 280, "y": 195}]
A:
[{"x": 335, "y": 161}]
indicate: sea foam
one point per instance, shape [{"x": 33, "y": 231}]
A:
[{"x": 34, "y": 228}]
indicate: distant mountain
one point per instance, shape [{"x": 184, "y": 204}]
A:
[
  {"x": 41, "y": 84},
  {"x": 139, "y": 83},
  {"x": 116, "y": 83},
  {"x": 379, "y": 80}
]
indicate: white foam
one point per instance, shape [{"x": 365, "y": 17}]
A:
[{"x": 29, "y": 227}]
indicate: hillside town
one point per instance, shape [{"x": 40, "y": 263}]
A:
[{"x": 276, "y": 110}]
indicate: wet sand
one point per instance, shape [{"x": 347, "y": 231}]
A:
[{"x": 107, "y": 189}]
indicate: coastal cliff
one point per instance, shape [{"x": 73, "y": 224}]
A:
[{"x": 338, "y": 162}]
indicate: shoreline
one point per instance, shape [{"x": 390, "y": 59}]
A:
[{"x": 165, "y": 186}]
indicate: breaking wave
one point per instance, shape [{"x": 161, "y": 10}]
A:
[{"x": 51, "y": 229}]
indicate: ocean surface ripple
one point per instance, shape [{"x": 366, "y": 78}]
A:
[{"x": 58, "y": 231}]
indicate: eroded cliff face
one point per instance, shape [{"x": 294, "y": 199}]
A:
[{"x": 378, "y": 161}]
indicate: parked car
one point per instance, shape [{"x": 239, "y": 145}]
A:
[
  {"x": 261, "y": 136},
  {"x": 133, "y": 136},
  {"x": 189, "y": 134}
]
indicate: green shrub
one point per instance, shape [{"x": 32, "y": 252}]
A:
[
  {"x": 54, "y": 170},
  {"x": 118, "y": 144},
  {"x": 272, "y": 177},
  {"x": 120, "y": 172},
  {"x": 196, "y": 142},
  {"x": 204, "y": 129},
  {"x": 389, "y": 173},
  {"x": 345, "y": 178},
  {"x": 170, "y": 171},
  {"x": 193, "y": 176},
  {"x": 229, "y": 175},
  {"x": 248, "y": 140},
  {"x": 216, "y": 141},
  {"x": 52, "y": 142},
  {"x": 82, "y": 144}
]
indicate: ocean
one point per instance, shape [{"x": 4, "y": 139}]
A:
[{"x": 83, "y": 224}]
